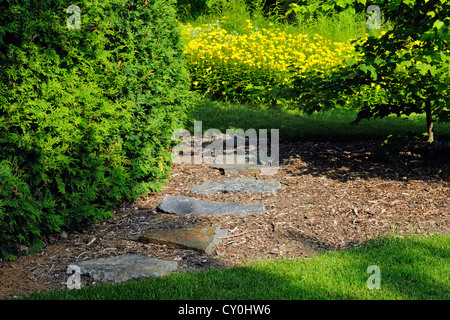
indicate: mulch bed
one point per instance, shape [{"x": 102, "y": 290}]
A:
[{"x": 334, "y": 195}]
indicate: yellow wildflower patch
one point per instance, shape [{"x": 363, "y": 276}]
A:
[{"x": 238, "y": 63}]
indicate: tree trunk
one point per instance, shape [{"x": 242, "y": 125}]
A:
[{"x": 429, "y": 122}]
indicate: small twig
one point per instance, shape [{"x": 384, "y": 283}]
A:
[
  {"x": 48, "y": 273},
  {"x": 82, "y": 254},
  {"x": 236, "y": 240},
  {"x": 233, "y": 235},
  {"x": 91, "y": 242},
  {"x": 233, "y": 230},
  {"x": 33, "y": 37}
]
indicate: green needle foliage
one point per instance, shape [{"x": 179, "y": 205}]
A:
[{"x": 86, "y": 115}]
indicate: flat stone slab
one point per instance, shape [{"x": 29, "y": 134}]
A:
[
  {"x": 236, "y": 166},
  {"x": 241, "y": 185},
  {"x": 185, "y": 205},
  {"x": 199, "y": 239},
  {"x": 125, "y": 267}
]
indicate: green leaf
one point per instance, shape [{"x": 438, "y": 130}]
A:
[
  {"x": 379, "y": 61},
  {"x": 363, "y": 68},
  {"x": 373, "y": 72},
  {"x": 438, "y": 24}
]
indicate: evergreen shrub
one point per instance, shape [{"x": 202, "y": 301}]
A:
[{"x": 86, "y": 115}]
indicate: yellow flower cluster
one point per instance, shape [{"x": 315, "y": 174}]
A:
[{"x": 260, "y": 52}]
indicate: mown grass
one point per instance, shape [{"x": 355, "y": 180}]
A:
[
  {"x": 293, "y": 124},
  {"x": 414, "y": 267}
]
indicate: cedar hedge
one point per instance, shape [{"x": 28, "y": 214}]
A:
[{"x": 86, "y": 115}]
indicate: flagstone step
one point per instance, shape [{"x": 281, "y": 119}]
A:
[
  {"x": 181, "y": 205},
  {"x": 236, "y": 165},
  {"x": 201, "y": 239},
  {"x": 240, "y": 185},
  {"x": 125, "y": 267}
]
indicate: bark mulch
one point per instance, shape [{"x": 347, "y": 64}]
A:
[{"x": 334, "y": 195}]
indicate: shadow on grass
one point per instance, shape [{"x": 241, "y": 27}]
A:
[
  {"x": 413, "y": 268},
  {"x": 332, "y": 125}
]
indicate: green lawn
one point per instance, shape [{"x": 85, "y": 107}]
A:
[
  {"x": 410, "y": 268},
  {"x": 293, "y": 124}
]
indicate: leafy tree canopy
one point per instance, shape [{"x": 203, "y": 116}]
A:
[{"x": 411, "y": 63}]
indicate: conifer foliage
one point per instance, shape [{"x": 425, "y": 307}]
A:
[{"x": 86, "y": 114}]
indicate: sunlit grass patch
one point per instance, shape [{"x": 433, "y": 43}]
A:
[{"x": 414, "y": 267}]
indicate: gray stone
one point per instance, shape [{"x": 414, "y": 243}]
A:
[
  {"x": 241, "y": 185},
  {"x": 185, "y": 205},
  {"x": 125, "y": 267},
  {"x": 236, "y": 166},
  {"x": 201, "y": 239}
]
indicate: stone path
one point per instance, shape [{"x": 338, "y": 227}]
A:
[
  {"x": 200, "y": 239},
  {"x": 241, "y": 185},
  {"x": 125, "y": 267},
  {"x": 185, "y": 205},
  {"x": 237, "y": 166}
]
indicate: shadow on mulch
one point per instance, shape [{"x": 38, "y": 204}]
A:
[{"x": 343, "y": 161}]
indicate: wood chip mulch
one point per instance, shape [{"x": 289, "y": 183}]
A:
[{"x": 334, "y": 195}]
